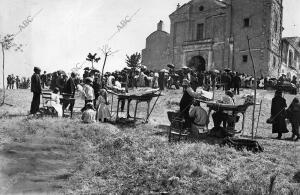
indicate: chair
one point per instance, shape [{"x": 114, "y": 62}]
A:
[
  {"x": 176, "y": 127},
  {"x": 67, "y": 100},
  {"x": 47, "y": 108}
]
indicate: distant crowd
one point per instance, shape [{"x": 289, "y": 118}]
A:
[
  {"x": 163, "y": 79},
  {"x": 14, "y": 82}
]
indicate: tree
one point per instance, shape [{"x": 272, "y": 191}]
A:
[
  {"x": 6, "y": 44},
  {"x": 107, "y": 52},
  {"x": 133, "y": 61},
  {"x": 92, "y": 58}
]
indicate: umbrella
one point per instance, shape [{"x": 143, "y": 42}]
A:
[
  {"x": 215, "y": 71},
  {"x": 86, "y": 68},
  {"x": 164, "y": 70},
  {"x": 185, "y": 68},
  {"x": 171, "y": 66},
  {"x": 227, "y": 69}
]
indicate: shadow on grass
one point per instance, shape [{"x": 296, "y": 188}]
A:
[
  {"x": 201, "y": 138},
  {"x": 5, "y": 115},
  {"x": 255, "y": 138},
  {"x": 296, "y": 177}
]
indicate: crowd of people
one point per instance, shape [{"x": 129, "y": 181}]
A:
[
  {"x": 93, "y": 88},
  {"x": 15, "y": 82}
]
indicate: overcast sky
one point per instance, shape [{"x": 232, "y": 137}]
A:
[{"x": 65, "y": 31}]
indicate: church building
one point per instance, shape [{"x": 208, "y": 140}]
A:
[{"x": 213, "y": 34}]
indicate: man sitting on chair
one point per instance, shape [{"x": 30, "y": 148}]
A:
[
  {"x": 199, "y": 118},
  {"x": 224, "y": 116}
]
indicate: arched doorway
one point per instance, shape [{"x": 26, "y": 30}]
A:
[{"x": 197, "y": 63}]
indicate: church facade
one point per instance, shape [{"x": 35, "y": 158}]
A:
[{"x": 213, "y": 34}]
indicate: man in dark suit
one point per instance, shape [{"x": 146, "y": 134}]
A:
[
  {"x": 44, "y": 79},
  {"x": 69, "y": 89},
  {"x": 36, "y": 89}
]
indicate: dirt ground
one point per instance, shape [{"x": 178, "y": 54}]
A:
[{"x": 39, "y": 156}]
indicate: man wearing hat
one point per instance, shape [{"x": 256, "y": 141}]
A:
[
  {"x": 70, "y": 88},
  {"x": 44, "y": 79},
  {"x": 36, "y": 89}
]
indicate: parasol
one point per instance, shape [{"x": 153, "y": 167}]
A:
[
  {"x": 172, "y": 66},
  {"x": 186, "y": 68},
  {"x": 216, "y": 71},
  {"x": 164, "y": 70}
]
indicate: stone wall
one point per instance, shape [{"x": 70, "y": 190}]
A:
[
  {"x": 224, "y": 41},
  {"x": 156, "y": 54}
]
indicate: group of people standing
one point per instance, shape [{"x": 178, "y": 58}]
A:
[
  {"x": 12, "y": 80},
  {"x": 69, "y": 88},
  {"x": 279, "y": 114}
]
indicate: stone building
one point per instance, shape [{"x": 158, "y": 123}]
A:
[
  {"x": 290, "y": 57},
  {"x": 156, "y": 53},
  {"x": 212, "y": 34}
]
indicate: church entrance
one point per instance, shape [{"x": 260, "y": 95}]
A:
[{"x": 197, "y": 63}]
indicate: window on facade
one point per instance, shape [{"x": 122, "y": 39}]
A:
[
  {"x": 276, "y": 25},
  {"x": 246, "y": 22},
  {"x": 274, "y": 61},
  {"x": 201, "y": 8},
  {"x": 200, "y": 31},
  {"x": 245, "y": 58}
]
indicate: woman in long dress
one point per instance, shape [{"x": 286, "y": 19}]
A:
[
  {"x": 294, "y": 118},
  {"x": 278, "y": 114},
  {"x": 55, "y": 102}
]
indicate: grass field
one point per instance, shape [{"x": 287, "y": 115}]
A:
[{"x": 64, "y": 156}]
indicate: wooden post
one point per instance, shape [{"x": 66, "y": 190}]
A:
[
  {"x": 255, "y": 86},
  {"x": 102, "y": 73},
  {"x": 3, "y": 58},
  {"x": 258, "y": 118}
]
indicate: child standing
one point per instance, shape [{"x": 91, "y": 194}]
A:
[{"x": 103, "y": 112}]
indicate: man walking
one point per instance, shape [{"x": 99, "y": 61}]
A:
[
  {"x": 236, "y": 83},
  {"x": 12, "y": 81},
  {"x": 36, "y": 89},
  {"x": 17, "y": 82},
  {"x": 70, "y": 88},
  {"x": 8, "y": 79},
  {"x": 44, "y": 79}
]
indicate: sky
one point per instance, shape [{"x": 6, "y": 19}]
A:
[{"x": 62, "y": 32}]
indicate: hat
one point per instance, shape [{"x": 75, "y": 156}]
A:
[
  {"x": 89, "y": 79},
  {"x": 229, "y": 93},
  {"x": 185, "y": 82},
  {"x": 89, "y": 105},
  {"x": 36, "y": 68}
]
